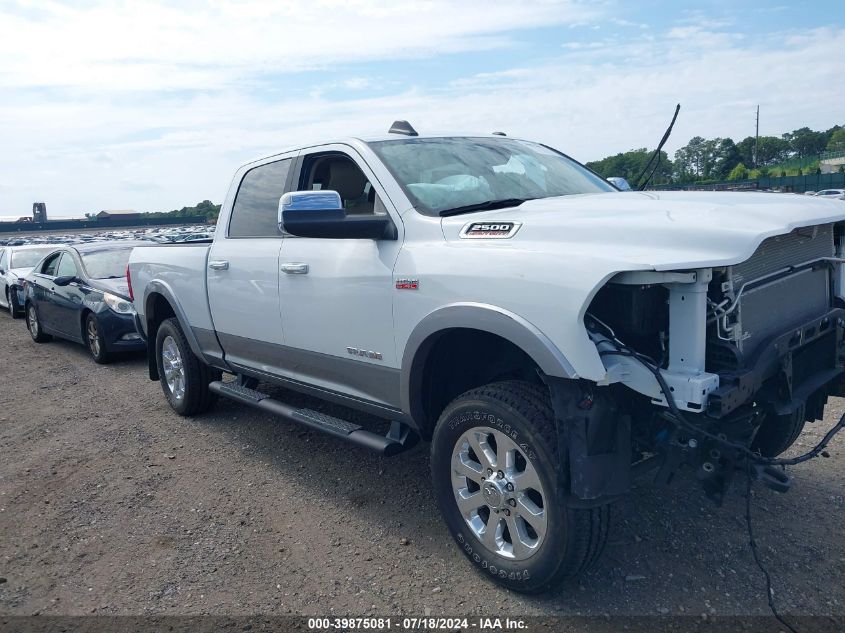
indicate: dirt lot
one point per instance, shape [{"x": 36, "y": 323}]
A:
[{"x": 110, "y": 503}]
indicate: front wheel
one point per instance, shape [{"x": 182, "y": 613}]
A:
[
  {"x": 494, "y": 466},
  {"x": 12, "y": 300},
  {"x": 33, "y": 324},
  {"x": 184, "y": 378},
  {"x": 94, "y": 341}
]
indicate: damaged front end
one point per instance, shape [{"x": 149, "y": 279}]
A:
[{"x": 748, "y": 353}]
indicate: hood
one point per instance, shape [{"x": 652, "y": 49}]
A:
[
  {"x": 654, "y": 230},
  {"x": 117, "y": 287},
  {"x": 19, "y": 273}
]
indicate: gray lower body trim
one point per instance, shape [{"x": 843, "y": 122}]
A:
[
  {"x": 354, "y": 379},
  {"x": 366, "y": 406},
  {"x": 210, "y": 347}
]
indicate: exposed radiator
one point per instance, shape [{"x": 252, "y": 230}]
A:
[
  {"x": 779, "y": 302},
  {"x": 775, "y": 253}
]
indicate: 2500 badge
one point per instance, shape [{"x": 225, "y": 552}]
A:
[{"x": 490, "y": 230}]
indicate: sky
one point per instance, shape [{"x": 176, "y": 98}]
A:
[{"x": 152, "y": 106}]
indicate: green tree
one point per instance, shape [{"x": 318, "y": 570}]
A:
[
  {"x": 206, "y": 209},
  {"x": 740, "y": 172},
  {"x": 630, "y": 165},
  {"x": 805, "y": 142},
  {"x": 746, "y": 150},
  {"x": 837, "y": 141},
  {"x": 727, "y": 157},
  {"x": 772, "y": 150}
]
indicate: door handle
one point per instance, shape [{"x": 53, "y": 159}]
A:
[
  {"x": 295, "y": 268},
  {"x": 220, "y": 264}
]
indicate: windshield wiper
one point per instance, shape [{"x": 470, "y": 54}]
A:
[{"x": 485, "y": 206}]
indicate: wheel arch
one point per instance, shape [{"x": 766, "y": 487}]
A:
[
  {"x": 83, "y": 317},
  {"x": 447, "y": 334},
  {"x": 159, "y": 304}
]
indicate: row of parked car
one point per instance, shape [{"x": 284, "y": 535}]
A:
[
  {"x": 166, "y": 235},
  {"x": 76, "y": 292}
]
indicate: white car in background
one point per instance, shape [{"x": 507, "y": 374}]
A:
[
  {"x": 15, "y": 264},
  {"x": 832, "y": 194}
]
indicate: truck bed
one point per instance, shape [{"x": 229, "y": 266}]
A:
[{"x": 180, "y": 270}]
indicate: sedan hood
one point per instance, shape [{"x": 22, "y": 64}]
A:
[
  {"x": 117, "y": 286},
  {"x": 654, "y": 230},
  {"x": 19, "y": 273}
]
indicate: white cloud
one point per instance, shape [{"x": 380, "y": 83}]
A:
[
  {"x": 85, "y": 129},
  {"x": 155, "y": 45}
]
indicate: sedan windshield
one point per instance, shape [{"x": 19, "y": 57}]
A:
[
  {"x": 449, "y": 175},
  {"x": 29, "y": 257},
  {"x": 106, "y": 264}
]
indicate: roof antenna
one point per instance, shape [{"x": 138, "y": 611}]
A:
[
  {"x": 402, "y": 127},
  {"x": 656, "y": 154},
  {"x": 499, "y": 134}
]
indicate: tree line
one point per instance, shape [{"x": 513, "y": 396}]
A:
[
  {"x": 723, "y": 159},
  {"x": 206, "y": 209}
]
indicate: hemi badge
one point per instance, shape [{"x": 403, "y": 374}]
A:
[{"x": 407, "y": 284}]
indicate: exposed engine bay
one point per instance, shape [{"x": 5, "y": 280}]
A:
[{"x": 749, "y": 353}]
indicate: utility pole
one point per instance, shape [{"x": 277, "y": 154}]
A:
[{"x": 757, "y": 138}]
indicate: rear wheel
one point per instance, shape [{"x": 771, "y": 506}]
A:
[
  {"x": 33, "y": 324},
  {"x": 94, "y": 341},
  {"x": 494, "y": 465},
  {"x": 184, "y": 378}
]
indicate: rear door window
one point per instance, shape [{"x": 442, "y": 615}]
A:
[{"x": 256, "y": 209}]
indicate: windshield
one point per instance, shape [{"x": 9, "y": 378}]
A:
[
  {"x": 29, "y": 257},
  {"x": 106, "y": 264},
  {"x": 440, "y": 175}
]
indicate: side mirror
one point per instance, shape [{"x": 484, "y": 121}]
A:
[
  {"x": 321, "y": 214},
  {"x": 64, "y": 281},
  {"x": 620, "y": 183}
]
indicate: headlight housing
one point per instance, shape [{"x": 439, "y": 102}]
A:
[{"x": 118, "y": 304}]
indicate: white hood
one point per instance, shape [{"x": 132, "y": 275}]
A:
[
  {"x": 19, "y": 273},
  {"x": 656, "y": 230}
]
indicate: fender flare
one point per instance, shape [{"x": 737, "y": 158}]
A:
[
  {"x": 482, "y": 317},
  {"x": 161, "y": 288}
]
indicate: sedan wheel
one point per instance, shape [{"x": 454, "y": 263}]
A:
[
  {"x": 12, "y": 300},
  {"x": 34, "y": 325},
  {"x": 95, "y": 340}
]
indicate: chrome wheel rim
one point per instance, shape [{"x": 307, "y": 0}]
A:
[
  {"x": 174, "y": 370},
  {"x": 32, "y": 321},
  {"x": 93, "y": 337},
  {"x": 498, "y": 493}
]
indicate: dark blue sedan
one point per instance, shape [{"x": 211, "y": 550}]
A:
[{"x": 80, "y": 293}]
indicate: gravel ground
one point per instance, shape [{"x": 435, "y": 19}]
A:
[{"x": 112, "y": 504}]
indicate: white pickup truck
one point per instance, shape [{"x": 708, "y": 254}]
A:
[{"x": 550, "y": 335}]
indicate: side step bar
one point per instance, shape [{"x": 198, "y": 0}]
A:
[{"x": 398, "y": 439}]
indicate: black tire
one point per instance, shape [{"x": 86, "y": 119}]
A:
[
  {"x": 94, "y": 340},
  {"x": 197, "y": 397},
  {"x": 574, "y": 538},
  {"x": 33, "y": 324},
  {"x": 12, "y": 300},
  {"x": 777, "y": 434}
]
